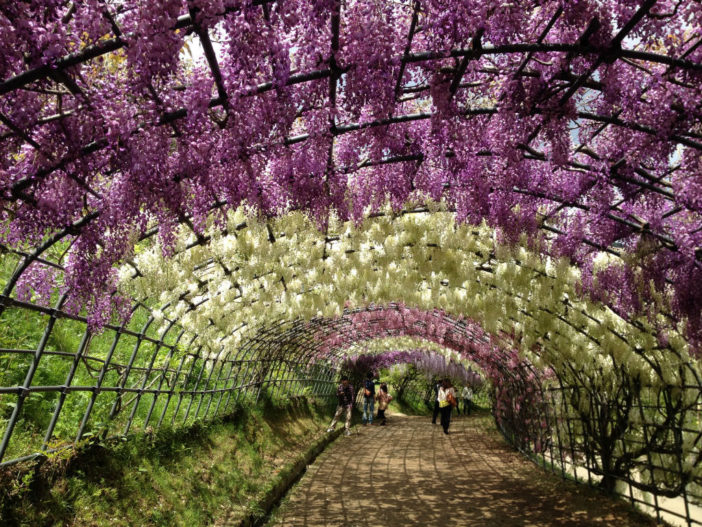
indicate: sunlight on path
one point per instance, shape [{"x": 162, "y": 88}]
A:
[{"x": 410, "y": 473}]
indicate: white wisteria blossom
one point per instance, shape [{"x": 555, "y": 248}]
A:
[{"x": 286, "y": 268}]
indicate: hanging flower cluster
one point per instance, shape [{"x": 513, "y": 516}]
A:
[
  {"x": 360, "y": 365},
  {"x": 431, "y": 364},
  {"x": 385, "y": 345},
  {"x": 255, "y": 272},
  {"x": 581, "y": 118}
]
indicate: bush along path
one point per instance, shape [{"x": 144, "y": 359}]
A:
[{"x": 223, "y": 473}]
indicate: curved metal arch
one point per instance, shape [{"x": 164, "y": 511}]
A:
[
  {"x": 485, "y": 267},
  {"x": 604, "y": 54},
  {"x": 305, "y": 331},
  {"x": 608, "y": 53}
]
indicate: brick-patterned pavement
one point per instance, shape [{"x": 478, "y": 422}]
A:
[{"x": 410, "y": 473}]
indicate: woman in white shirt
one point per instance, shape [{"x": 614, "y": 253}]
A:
[
  {"x": 467, "y": 395},
  {"x": 447, "y": 400}
]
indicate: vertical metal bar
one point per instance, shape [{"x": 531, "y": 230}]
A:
[
  {"x": 174, "y": 383},
  {"x": 147, "y": 373},
  {"x": 195, "y": 356},
  {"x": 570, "y": 432},
  {"x": 98, "y": 384},
  {"x": 264, "y": 377},
  {"x": 296, "y": 385},
  {"x": 651, "y": 471},
  {"x": 314, "y": 374},
  {"x": 171, "y": 391},
  {"x": 130, "y": 365},
  {"x": 164, "y": 371},
  {"x": 688, "y": 518},
  {"x": 239, "y": 358},
  {"x": 281, "y": 376},
  {"x": 62, "y": 396},
  {"x": 215, "y": 387},
  {"x": 309, "y": 376},
  {"x": 330, "y": 384},
  {"x": 226, "y": 379},
  {"x": 232, "y": 386},
  {"x": 264, "y": 372},
  {"x": 558, "y": 436},
  {"x": 194, "y": 390},
  {"x": 277, "y": 376},
  {"x": 207, "y": 383},
  {"x": 23, "y": 392},
  {"x": 587, "y": 455},
  {"x": 241, "y": 386}
]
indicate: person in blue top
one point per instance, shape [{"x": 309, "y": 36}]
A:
[{"x": 368, "y": 399}]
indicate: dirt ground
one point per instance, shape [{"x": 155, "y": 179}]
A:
[{"x": 410, "y": 473}]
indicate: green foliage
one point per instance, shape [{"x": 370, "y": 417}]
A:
[
  {"x": 24, "y": 329},
  {"x": 178, "y": 476},
  {"x": 409, "y": 406}
]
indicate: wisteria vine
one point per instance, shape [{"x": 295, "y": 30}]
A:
[
  {"x": 431, "y": 364},
  {"x": 574, "y": 124}
]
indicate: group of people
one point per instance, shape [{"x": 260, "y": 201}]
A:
[
  {"x": 446, "y": 400},
  {"x": 346, "y": 396}
]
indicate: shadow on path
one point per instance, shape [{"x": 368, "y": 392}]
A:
[{"x": 410, "y": 473}]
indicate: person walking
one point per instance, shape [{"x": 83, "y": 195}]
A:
[
  {"x": 437, "y": 387},
  {"x": 344, "y": 394},
  {"x": 447, "y": 400},
  {"x": 467, "y": 396},
  {"x": 368, "y": 399},
  {"x": 384, "y": 399}
]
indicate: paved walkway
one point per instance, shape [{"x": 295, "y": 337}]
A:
[{"x": 410, "y": 473}]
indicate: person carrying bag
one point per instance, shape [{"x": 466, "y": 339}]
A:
[
  {"x": 384, "y": 399},
  {"x": 447, "y": 400}
]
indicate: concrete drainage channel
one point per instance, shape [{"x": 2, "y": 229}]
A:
[{"x": 285, "y": 480}]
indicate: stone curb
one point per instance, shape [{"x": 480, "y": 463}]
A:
[{"x": 286, "y": 479}]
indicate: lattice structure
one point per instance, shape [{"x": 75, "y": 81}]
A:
[{"x": 573, "y": 128}]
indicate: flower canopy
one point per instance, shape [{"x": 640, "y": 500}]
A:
[
  {"x": 576, "y": 124},
  {"x": 264, "y": 186}
]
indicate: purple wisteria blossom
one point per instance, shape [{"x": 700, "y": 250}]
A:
[{"x": 573, "y": 126}]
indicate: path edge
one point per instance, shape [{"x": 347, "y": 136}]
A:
[{"x": 284, "y": 481}]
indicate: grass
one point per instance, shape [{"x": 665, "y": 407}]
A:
[
  {"x": 202, "y": 475},
  {"x": 414, "y": 405},
  {"x": 409, "y": 406}
]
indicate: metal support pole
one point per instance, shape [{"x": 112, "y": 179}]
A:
[{"x": 23, "y": 392}]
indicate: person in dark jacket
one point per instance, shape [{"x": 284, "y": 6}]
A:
[
  {"x": 368, "y": 399},
  {"x": 344, "y": 394}
]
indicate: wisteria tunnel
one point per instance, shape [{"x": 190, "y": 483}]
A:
[{"x": 213, "y": 201}]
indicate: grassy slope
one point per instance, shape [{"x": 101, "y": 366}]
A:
[{"x": 203, "y": 475}]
